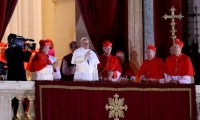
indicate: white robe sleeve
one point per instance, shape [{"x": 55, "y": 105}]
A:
[
  {"x": 167, "y": 78},
  {"x": 64, "y": 68},
  {"x": 57, "y": 75},
  {"x": 185, "y": 79},
  {"x": 77, "y": 57},
  {"x": 182, "y": 79},
  {"x": 117, "y": 78}
]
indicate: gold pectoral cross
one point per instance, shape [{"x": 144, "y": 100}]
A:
[{"x": 176, "y": 70}]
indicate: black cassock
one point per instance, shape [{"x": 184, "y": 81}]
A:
[{"x": 16, "y": 57}]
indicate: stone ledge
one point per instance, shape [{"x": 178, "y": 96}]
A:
[{"x": 17, "y": 85}]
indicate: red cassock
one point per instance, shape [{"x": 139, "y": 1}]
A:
[
  {"x": 2, "y": 58},
  {"x": 152, "y": 68},
  {"x": 27, "y": 65},
  {"x": 109, "y": 63},
  {"x": 127, "y": 70},
  {"x": 39, "y": 61},
  {"x": 179, "y": 66}
]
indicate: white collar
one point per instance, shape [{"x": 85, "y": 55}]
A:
[{"x": 85, "y": 50}]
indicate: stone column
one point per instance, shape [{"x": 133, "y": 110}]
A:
[
  {"x": 20, "y": 111},
  {"x": 148, "y": 23},
  {"x": 31, "y": 111},
  {"x": 6, "y": 112},
  {"x": 135, "y": 32},
  {"x": 26, "y": 20},
  {"x": 197, "y": 23}
]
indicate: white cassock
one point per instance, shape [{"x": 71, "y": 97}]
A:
[
  {"x": 56, "y": 75},
  {"x": 86, "y": 68},
  {"x": 45, "y": 73}
]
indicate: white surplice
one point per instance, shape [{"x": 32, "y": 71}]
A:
[
  {"x": 47, "y": 72},
  {"x": 44, "y": 74},
  {"x": 86, "y": 67}
]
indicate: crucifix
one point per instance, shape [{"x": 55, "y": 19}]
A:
[
  {"x": 196, "y": 24},
  {"x": 172, "y": 17}
]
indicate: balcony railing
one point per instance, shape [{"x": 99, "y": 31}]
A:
[
  {"x": 26, "y": 89},
  {"x": 20, "y": 90}
]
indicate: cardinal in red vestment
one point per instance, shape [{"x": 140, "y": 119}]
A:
[
  {"x": 152, "y": 68},
  {"x": 41, "y": 66},
  {"x": 127, "y": 72},
  {"x": 109, "y": 67},
  {"x": 3, "y": 47},
  {"x": 178, "y": 67}
]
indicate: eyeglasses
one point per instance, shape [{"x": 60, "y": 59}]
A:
[{"x": 86, "y": 43}]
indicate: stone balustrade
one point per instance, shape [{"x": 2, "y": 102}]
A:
[
  {"x": 20, "y": 90},
  {"x": 26, "y": 89}
]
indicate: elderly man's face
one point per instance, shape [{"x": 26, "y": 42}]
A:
[
  {"x": 121, "y": 57},
  {"x": 107, "y": 50},
  {"x": 177, "y": 49},
  {"x": 85, "y": 44},
  {"x": 171, "y": 50},
  {"x": 46, "y": 49},
  {"x": 150, "y": 54}
]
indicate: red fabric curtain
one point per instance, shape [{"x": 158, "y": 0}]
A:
[
  {"x": 162, "y": 27},
  {"x": 106, "y": 19},
  {"x": 6, "y": 10},
  {"x": 87, "y": 101}
]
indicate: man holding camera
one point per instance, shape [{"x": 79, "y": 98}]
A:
[
  {"x": 16, "y": 55},
  {"x": 41, "y": 67}
]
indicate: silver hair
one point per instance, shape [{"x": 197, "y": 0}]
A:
[{"x": 84, "y": 38}]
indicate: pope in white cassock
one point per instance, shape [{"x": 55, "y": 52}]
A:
[
  {"x": 86, "y": 62},
  {"x": 41, "y": 66}
]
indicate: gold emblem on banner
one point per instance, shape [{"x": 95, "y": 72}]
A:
[{"x": 116, "y": 107}]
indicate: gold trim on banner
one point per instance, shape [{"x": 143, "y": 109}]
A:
[{"x": 113, "y": 89}]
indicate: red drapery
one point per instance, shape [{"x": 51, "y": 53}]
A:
[
  {"x": 87, "y": 101},
  {"x": 6, "y": 10},
  {"x": 162, "y": 27},
  {"x": 106, "y": 19}
]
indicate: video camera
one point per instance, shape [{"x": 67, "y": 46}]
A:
[{"x": 16, "y": 40}]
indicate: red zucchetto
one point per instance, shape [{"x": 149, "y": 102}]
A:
[
  {"x": 151, "y": 47},
  {"x": 107, "y": 43},
  {"x": 45, "y": 42},
  {"x": 179, "y": 42}
]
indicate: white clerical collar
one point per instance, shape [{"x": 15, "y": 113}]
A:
[{"x": 85, "y": 50}]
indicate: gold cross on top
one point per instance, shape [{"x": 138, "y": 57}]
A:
[{"x": 172, "y": 17}]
